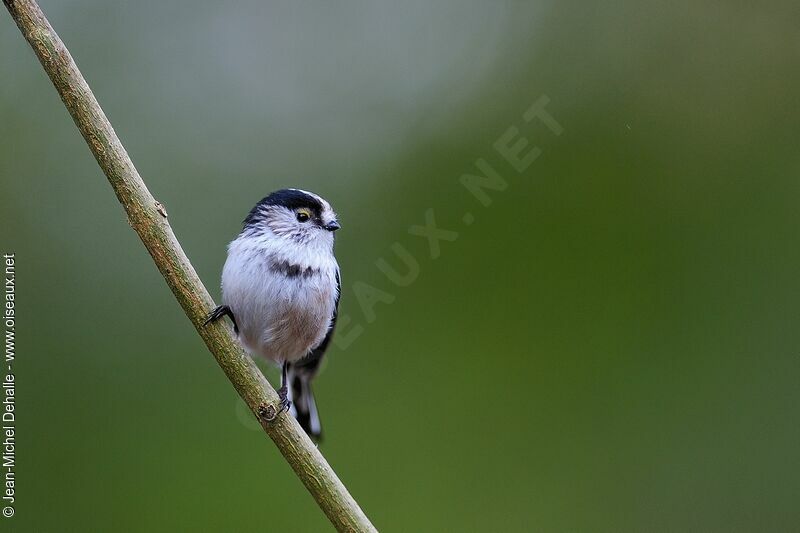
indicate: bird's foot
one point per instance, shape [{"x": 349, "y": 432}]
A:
[
  {"x": 219, "y": 312},
  {"x": 283, "y": 396}
]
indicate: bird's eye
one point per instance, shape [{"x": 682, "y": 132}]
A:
[{"x": 302, "y": 216}]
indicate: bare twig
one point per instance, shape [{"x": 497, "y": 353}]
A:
[{"x": 148, "y": 218}]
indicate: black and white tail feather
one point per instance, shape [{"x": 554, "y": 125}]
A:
[{"x": 303, "y": 406}]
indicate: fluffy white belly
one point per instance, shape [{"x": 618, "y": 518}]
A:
[{"x": 280, "y": 316}]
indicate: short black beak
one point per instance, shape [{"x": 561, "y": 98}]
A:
[{"x": 332, "y": 225}]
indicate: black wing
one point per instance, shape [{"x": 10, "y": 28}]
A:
[{"x": 308, "y": 366}]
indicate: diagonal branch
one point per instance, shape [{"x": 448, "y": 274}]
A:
[{"x": 149, "y": 219}]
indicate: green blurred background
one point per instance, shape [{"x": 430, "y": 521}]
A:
[{"x": 611, "y": 346}]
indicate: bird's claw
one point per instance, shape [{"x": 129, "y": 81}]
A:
[
  {"x": 219, "y": 312},
  {"x": 283, "y": 396}
]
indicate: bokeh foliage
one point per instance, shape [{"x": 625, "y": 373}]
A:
[{"x": 611, "y": 346}]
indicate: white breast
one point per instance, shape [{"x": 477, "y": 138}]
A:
[{"x": 281, "y": 316}]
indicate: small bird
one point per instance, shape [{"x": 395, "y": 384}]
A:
[{"x": 281, "y": 287}]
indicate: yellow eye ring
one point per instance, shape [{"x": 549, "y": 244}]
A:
[{"x": 303, "y": 216}]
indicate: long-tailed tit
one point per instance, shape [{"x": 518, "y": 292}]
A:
[{"x": 280, "y": 288}]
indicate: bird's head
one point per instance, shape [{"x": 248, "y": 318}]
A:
[{"x": 297, "y": 216}]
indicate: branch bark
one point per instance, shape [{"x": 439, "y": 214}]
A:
[{"x": 148, "y": 218}]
